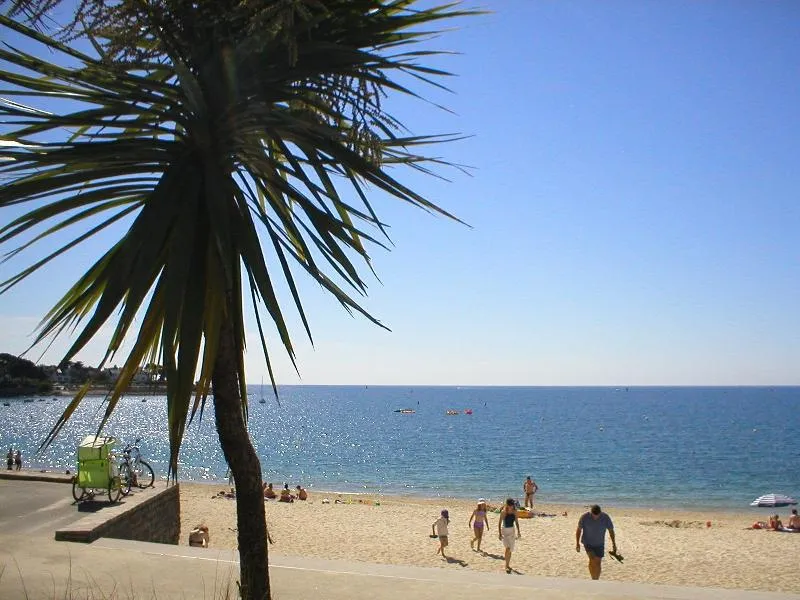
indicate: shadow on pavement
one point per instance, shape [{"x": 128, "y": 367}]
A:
[{"x": 93, "y": 506}]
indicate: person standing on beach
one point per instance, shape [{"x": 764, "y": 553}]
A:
[
  {"x": 478, "y": 521},
  {"x": 592, "y": 527},
  {"x": 10, "y": 459},
  {"x": 505, "y": 528},
  {"x": 529, "y": 487},
  {"x": 18, "y": 460},
  {"x": 439, "y": 529}
]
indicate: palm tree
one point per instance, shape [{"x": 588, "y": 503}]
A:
[{"x": 213, "y": 130}]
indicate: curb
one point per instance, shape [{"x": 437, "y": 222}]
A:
[{"x": 31, "y": 476}]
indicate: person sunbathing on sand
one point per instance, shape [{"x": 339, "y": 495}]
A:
[
  {"x": 199, "y": 537},
  {"x": 794, "y": 520},
  {"x": 286, "y": 496},
  {"x": 269, "y": 493},
  {"x": 302, "y": 494},
  {"x": 775, "y": 523}
]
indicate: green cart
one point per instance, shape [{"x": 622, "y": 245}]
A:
[{"x": 97, "y": 472}]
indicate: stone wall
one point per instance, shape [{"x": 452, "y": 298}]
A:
[{"x": 151, "y": 515}]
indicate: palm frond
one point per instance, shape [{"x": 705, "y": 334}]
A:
[{"x": 215, "y": 140}]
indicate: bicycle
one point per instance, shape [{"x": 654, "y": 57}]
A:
[{"x": 134, "y": 470}]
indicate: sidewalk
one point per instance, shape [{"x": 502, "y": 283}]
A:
[
  {"x": 122, "y": 569},
  {"x": 28, "y": 475}
]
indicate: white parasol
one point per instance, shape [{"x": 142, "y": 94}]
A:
[{"x": 773, "y": 501}]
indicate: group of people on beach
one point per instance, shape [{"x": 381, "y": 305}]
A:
[
  {"x": 591, "y": 530},
  {"x": 14, "y": 459},
  {"x": 775, "y": 523},
  {"x": 285, "y": 495}
]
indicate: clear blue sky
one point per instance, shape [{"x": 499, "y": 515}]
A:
[{"x": 633, "y": 210}]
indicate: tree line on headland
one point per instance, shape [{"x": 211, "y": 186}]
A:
[{"x": 22, "y": 377}]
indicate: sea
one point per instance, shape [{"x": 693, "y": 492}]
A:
[{"x": 658, "y": 447}]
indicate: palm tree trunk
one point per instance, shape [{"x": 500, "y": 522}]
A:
[{"x": 246, "y": 468}]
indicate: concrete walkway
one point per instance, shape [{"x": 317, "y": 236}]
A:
[
  {"x": 28, "y": 475},
  {"x": 121, "y": 569}
]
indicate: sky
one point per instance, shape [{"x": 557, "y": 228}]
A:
[{"x": 631, "y": 206}]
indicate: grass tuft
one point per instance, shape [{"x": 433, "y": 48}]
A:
[{"x": 73, "y": 588}]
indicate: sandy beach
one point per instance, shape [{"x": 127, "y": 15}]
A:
[{"x": 659, "y": 546}]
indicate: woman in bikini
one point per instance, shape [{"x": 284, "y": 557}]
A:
[{"x": 477, "y": 521}]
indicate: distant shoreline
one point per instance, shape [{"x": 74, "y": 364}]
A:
[
  {"x": 138, "y": 390},
  {"x": 134, "y": 390}
]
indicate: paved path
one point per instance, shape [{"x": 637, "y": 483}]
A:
[
  {"x": 121, "y": 569},
  {"x": 35, "y": 507}
]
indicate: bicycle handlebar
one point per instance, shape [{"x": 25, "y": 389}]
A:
[{"x": 130, "y": 447}]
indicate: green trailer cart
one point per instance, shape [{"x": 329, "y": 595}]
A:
[{"x": 97, "y": 471}]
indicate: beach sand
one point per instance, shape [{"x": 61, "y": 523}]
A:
[{"x": 659, "y": 546}]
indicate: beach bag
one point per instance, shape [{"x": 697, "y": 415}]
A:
[{"x": 197, "y": 537}]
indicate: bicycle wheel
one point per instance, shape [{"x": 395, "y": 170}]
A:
[
  {"x": 77, "y": 491},
  {"x": 125, "y": 479},
  {"x": 114, "y": 489},
  {"x": 144, "y": 474}
]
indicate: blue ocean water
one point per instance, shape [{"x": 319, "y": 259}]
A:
[{"x": 641, "y": 446}]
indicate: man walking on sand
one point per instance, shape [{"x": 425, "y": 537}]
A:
[
  {"x": 592, "y": 527},
  {"x": 529, "y": 487}
]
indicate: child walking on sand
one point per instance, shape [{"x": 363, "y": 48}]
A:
[
  {"x": 439, "y": 529},
  {"x": 477, "y": 521}
]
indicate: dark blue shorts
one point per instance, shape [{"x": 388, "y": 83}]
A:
[{"x": 598, "y": 551}]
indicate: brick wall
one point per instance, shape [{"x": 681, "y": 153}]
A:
[{"x": 151, "y": 515}]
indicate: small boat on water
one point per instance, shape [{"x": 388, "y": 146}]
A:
[
  {"x": 6, "y": 404},
  {"x": 468, "y": 411},
  {"x": 28, "y": 400},
  {"x": 451, "y": 412},
  {"x": 405, "y": 411}
]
